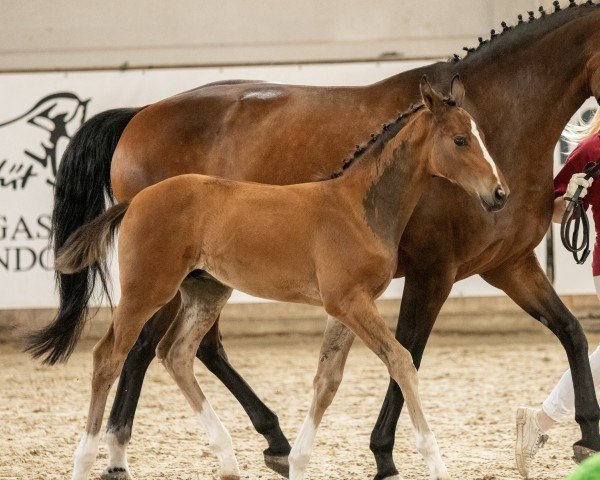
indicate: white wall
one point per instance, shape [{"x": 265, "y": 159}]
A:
[{"x": 69, "y": 34}]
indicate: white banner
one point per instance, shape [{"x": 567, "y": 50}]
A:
[{"x": 40, "y": 112}]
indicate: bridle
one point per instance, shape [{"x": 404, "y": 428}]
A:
[{"x": 575, "y": 217}]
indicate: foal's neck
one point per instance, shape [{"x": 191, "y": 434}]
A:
[{"x": 387, "y": 187}]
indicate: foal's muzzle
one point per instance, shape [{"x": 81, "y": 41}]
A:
[{"x": 496, "y": 201}]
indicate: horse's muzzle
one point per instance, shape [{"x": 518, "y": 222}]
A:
[{"x": 496, "y": 201}]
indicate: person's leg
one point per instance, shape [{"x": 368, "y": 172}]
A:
[{"x": 561, "y": 401}]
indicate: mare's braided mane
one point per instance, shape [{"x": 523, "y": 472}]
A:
[{"x": 522, "y": 24}]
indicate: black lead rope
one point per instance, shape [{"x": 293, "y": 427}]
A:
[{"x": 576, "y": 218}]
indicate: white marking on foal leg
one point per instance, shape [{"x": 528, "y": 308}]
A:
[
  {"x": 302, "y": 449},
  {"x": 219, "y": 441},
  {"x": 117, "y": 456},
  {"x": 84, "y": 456},
  {"x": 486, "y": 153},
  {"x": 428, "y": 447}
]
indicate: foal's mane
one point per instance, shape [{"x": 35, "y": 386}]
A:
[
  {"x": 378, "y": 140},
  {"x": 517, "y": 34}
]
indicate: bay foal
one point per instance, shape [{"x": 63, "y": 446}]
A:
[{"x": 332, "y": 243}]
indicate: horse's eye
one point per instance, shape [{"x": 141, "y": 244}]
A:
[{"x": 460, "y": 141}]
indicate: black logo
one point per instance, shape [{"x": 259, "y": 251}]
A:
[{"x": 52, "y": 121}]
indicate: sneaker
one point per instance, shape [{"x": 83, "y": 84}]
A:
[{"x": 530, "y": 438}]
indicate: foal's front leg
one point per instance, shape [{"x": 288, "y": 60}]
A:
[
  {"x": 337, "y": 341},
  {"x": 360, "y": 314}
]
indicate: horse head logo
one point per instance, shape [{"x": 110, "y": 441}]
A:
[{"x": 46, "y": 128}]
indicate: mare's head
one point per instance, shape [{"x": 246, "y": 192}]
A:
[{"x": 458, "y": 151}]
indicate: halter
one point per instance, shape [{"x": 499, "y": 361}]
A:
[{"x": 575, "y": 216}]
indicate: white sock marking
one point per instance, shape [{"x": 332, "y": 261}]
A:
[
  {"x": 428, "y": 448},
  {"x": 84, "y": 456},
  {"x": 302, "y": 449},
  {"x": 486, "y": 153},
  {"x": 117, "y": 452},
  {"x": 219, "y": 440}
]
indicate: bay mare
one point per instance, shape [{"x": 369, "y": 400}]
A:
[
  {"x": 332, "y": 243},
  {"x": 523, "y": 86}
]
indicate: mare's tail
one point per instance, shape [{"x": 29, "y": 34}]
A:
[{"x": 81, "y": 192}]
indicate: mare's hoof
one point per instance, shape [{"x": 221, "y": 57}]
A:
[
  {"x": 581, "y": 453},
  {"x": 396, "y": 476},
  {"x": 278, "y": 463},
  {"x": 115, "y": 473}
]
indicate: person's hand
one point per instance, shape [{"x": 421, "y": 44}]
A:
[{"x": 578, "y": 180}]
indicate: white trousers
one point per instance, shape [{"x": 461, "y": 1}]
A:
[{"x": 561, "y": 402}]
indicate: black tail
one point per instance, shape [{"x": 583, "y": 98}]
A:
[{"x": 81, "y": 192}]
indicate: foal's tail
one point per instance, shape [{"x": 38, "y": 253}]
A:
[
  {"x": 81, "y": 193},
  {"x": 88, "y": 245}
]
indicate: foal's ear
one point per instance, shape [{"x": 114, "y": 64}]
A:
[
  {"x": 432, "y": 99},
  {"x": 457, "y": 90}
]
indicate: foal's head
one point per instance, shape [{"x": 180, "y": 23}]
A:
[{"x": 458, "y": 151}]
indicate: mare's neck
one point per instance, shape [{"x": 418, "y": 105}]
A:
[
  {"x": 522, "y": 94},
  {"x": 522, "y": 89}
]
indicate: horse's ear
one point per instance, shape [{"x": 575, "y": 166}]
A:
[
  {"x": 457, "y": 90},
  {"x": 432, "y": 99}
]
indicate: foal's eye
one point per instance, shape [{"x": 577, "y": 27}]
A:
[{"x": 460, "y": 141}]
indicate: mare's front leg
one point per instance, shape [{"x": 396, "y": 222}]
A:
[
  {"x": 360, "y": 315},
  {"x": 337, "y": 341},
  {"x": 526, "y": 283},
  {"x": 120, "y": 422},
  {"x": 424, "y": 294},
  {"x": 265, "y": 421}
]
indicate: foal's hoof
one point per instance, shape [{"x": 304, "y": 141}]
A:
[
  {"x": 278, "y": 463},
  {"x": 581, "y": 453},
  {"x": 115, "y": 473}
]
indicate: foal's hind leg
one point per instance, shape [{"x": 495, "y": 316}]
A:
[
  {"x": 202, "y": 303},
  {"x": 109, "y": 355},
  {"x": 360, "y": 315},
  {"x": 337, "y": 341},
  {"x": 265, "y": 421},
  {"x": 120, "y": 421}
]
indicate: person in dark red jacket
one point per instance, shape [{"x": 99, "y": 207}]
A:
[{"x": 533, "y": 424}]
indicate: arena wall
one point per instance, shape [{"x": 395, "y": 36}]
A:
[{"x": 65, "y": 34}]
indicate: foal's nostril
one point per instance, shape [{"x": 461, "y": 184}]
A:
[{"x": 499, "y": 195}]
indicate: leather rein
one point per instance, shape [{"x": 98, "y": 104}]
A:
[{"x": 575, "y": 221}]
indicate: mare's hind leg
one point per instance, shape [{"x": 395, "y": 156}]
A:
[
  {"x": 120, "y": 422},
  {"x": 360, "y": 315},
  {"x": 265, "y": 421},
  {"x": 526, "y": 283},
  {"x": 337, "y": 341},
  {"x": 109, "y": 356},
  {"x": 202, "y": 302}
]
